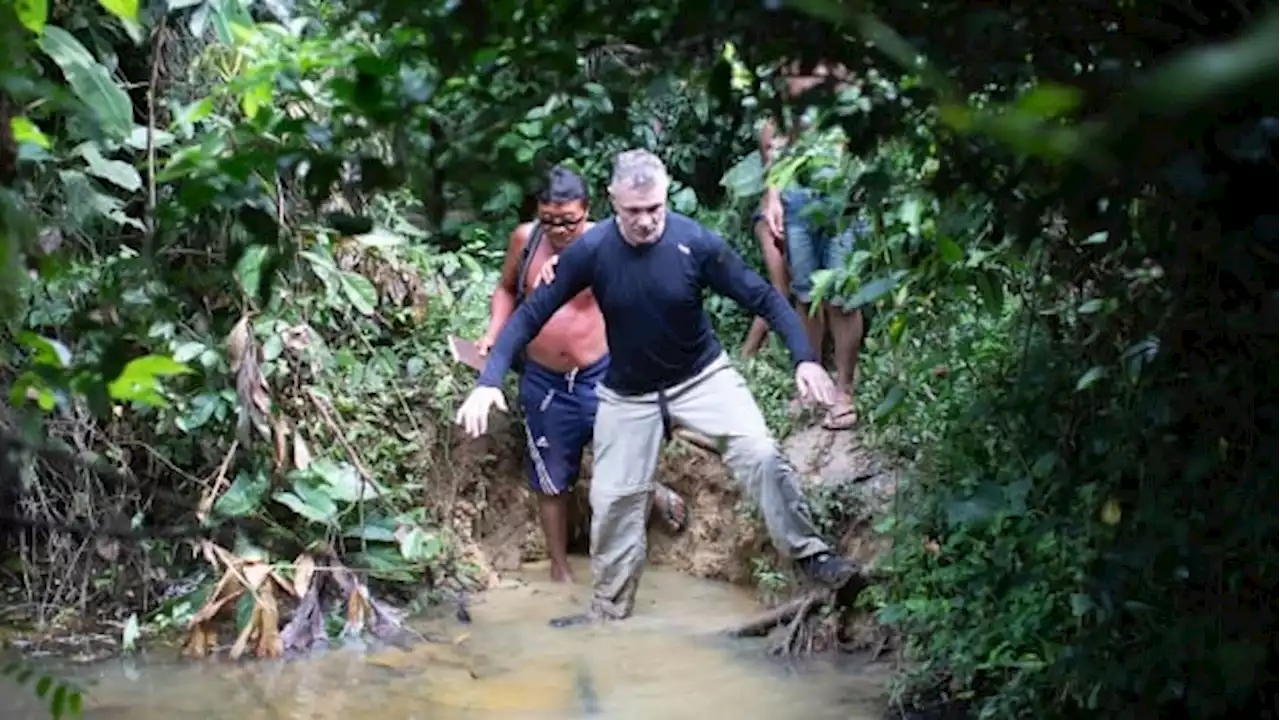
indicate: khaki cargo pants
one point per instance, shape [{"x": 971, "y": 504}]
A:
[{"x": 628, "y": 437}]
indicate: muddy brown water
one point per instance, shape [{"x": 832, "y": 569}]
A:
[{"x": 665, "y": 662}]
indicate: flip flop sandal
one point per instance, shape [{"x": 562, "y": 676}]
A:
[
  {"x": 677, "y": 521},
  {"x": 843, "y": 420}
]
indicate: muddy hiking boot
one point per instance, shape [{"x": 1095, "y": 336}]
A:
[{"x": 829, "y": 570}]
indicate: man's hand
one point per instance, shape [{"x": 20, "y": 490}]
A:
[
  {"x": 484, "y": 344},
  {"x": 814, "y": 383},
  {"x": 771, "y": 210},
  {"x": 547, "y": 274},
  {"x": 474, "y": 413}
]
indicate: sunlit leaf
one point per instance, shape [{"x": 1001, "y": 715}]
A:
[
  {"x": 1091, "y": 377},
  {"x": 1090, "y": 306},
  {"x": 360, "y": 291},
  {"x": 140, "y": 379},
  {"x": 90, "y": 81},
  {"x": 26, "y": 131},
  {"x": 129, "y": 637},
  {"x": 46, "y": 351},
  {"x": 746, "y": 177},
  {"x": 249, "y": 269},
  {"x": 121, "y": 174},
  {"x": 123, "y": 9},
  {"x": 1049, "y": 100},
  {"x": 33, "y": 14}
]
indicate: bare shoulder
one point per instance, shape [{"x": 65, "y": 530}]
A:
[{"x": 520, "y": 235}]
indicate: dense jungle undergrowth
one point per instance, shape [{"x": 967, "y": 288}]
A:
[{"x": 234, "y": 235}]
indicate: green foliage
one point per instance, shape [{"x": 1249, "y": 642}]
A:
[
  {"x": 64, "y": 697},
  {"x": 1074, "y": 333}
]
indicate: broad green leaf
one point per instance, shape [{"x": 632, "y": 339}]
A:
[
  {"x": 58, "y": 705},
  {"x": 126, "y": 10},
  {"x": 746, "y": 177},
  {"x": 417, "y": 545},
  {"x": 203, "y": 408},
  {"x": 121, "y": 174},
  {"x": 26, "y": 131},
  {"x": 188, "y": 351},
  {"x": 342, "y": 482},
  {"x": 226, "y": 14},
  {"x": 984, "y": 502},
  {"x": 950, "y": 251},
  {"x": 46, "y": 351},
  {"x": 249, "y": 269},
  {"x": 874, "y": 290},
  {"x": 255, "y": 98},
  {"x": 138, "y": 138},
  {"x": 139, "y": 381},
  {"x": 372, "y": 530},
  {"x": 891, "y": 401},
  {"x": 90, "y": 81},
  {"x": 33, "y": 14},
  {"x": 1090, "y": 306},
  {"x": 685, "y": 201},
  {"x": 244, "y": 497},
  {"x": 1088, "y": 379},
  {"x": 1049, "y": 100},
  {"x": 360, "y": 291},
  {"x": 316, "y": 508}
]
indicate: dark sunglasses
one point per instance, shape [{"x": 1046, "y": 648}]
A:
[{"x": 562, "y": 222}]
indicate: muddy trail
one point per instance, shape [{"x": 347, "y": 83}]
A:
[{"x": 669, "y": 661}]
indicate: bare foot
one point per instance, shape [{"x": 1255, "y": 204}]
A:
[{"x": 561, "y": 574}]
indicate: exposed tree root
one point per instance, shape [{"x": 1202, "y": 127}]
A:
[{"x": 812, "y": 621}]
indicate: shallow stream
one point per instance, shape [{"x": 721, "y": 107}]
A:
[{"x": 666, "y": 662}]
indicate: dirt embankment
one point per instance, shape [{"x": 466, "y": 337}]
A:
[{"x": 725, "y": 539}]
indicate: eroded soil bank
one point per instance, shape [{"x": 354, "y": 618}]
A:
[{"x": 725, "y": 539}]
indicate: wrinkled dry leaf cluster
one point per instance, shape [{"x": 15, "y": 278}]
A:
[{"x": 397, "y": 282}]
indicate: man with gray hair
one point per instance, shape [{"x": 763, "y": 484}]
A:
[{"x": 648, "y": 268}]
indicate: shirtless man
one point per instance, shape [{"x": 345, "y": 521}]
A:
[
  {"x": 794, "y": 247},
  {"x": 561, "y": 366}
]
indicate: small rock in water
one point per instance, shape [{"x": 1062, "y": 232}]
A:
[{"x": 464, "y": 615}]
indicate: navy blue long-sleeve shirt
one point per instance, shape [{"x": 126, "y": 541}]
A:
[{"x": 651, "y": 298}]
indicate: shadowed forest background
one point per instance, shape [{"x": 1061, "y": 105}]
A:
[{"x": 235, "y": 234}]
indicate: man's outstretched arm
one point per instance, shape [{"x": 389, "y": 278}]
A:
[
  {"x": 574, "y": 273},
  {"x": 724, "y": 271}
]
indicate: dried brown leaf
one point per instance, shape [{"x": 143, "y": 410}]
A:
[
  {"x": 255, "y": 573},
  {"x": 269, "y": 643},
  {"x": 201, "y": 640},
  {"x": 239, "y": 342},
  {"x": 301, "y": 455},
  {"x": 227, "y": 589},
  {"x": 304, "y": 569},
  {"x": 280, "y": 433}
]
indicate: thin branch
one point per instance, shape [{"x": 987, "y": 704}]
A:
[{"x": 157, "y": 44}]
